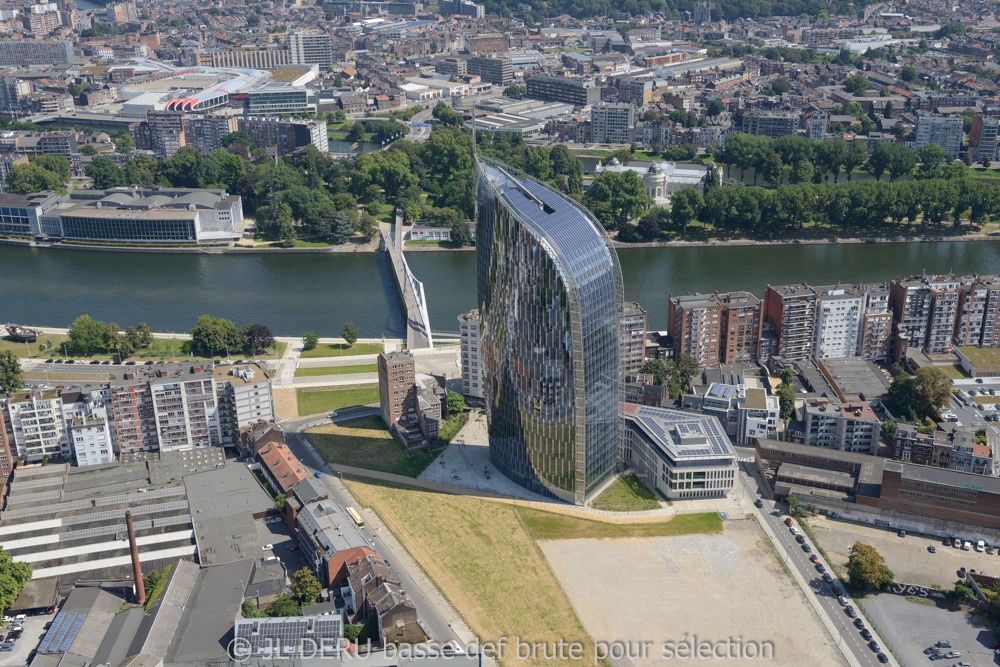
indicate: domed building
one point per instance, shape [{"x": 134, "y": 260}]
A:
[{"x": 662, "y": 179}]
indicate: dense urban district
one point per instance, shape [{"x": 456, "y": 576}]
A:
[{"x": 561, "y": 474}]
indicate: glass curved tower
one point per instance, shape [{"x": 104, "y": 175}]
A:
[{"x": 550, "y": 303}]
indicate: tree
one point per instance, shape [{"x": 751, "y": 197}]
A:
[
  {"x": 144, "y": 337},
  {"x": 658, "y": 369},
  {"x": 124, "y": 143},
  {"x": 11, "y": 374},
  {"x": 461, "y": 234},
  {"x": 854, "y": 156},
  {"x": 615, "y": 197},
  {"x": 889, "y": 430},
  {"x": 446, "y": 115},
  {"x": 350, "y": 333},
  {"x": 893, "y": 157},
  {"x": 780, "y": 85},
  {"x": 257, "y": 337},
  {"x": 306, "y": 587},
  {"x": 930, "y": 156},
  {"x": 14, "y": 576},
  {"x": 284, "y": 605},
  {"x": 342, "y": 228},
  {"x": 356, "y": 133},
  {"x": 787, "y": 376},
  {"x": 248, "y": 610},
  {"x": 715, "y": 108},
  {"x": 648, "y": 228},
  {"x": 309, "y": 340},
  {"x": 26, "y": 179},
  {"x": 866, "y": 569},
  {"x": 685, "y": 206},
  {"x": 105, "y": 173},
  {"x": 888, "y": 112},
  {"x": 786, "y": 401},
  {"x": 931, "y": 389},
  {"x": 856, "y": 84},
  {"x": 802, "y": 172},
  {"x": 456, "y": 403},
  {"x": 86, "y": 335},
  {"x": 215, "y": 336},
  {"x": 901, "y": 395},
  {"x": 88, "y": 149},
  {"x": 986, "y": 161},
  {"x": 908, "y": 74}
]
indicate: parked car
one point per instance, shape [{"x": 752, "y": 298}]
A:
[
  {"x": 932, "y": 549},
  {"x": 937, "y": 656},
  {"x": 814, "y": 558},
  {"x": 953, "y": 654},
  {"x": 820, "y": 568},
  {"x": 850, "y": 612},
  {"x": 866, "y": 634},
  {"x": 902, "y": 533},
  {"x": 882, "y": 657},
  {"x": 827, "y": 578},
  {"x": 873, "y": 645},
  {"x": 859, "y": 624},
  {"x": 318, "y": 474},
  {"x": 758, "y": 503},
  {"x": 800, "y": 539},
  {"x": 961, "y": 573},
  {"x": 806, "y": 548},
  {"x": 49, "y": 361},
  {"x": 6, "y": 647},
  {"x": 788, "y": 521},
  {"x": 930, "y": 649},
  {"x": 944, "y": 643},
  {"x": 268, "y": 547}
]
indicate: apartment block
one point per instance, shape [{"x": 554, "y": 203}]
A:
[
  {"x": 132, "y": 412},
  {"x": 396, "y": 381},
  {"x": 8, "y": 447},
  {"x": 772, "y": 124},
  {"x": 791, "y": 310},
  {"x": 88, "y": 434},
  {"x": 488, "y": 42},
  {"x": 973, "y": 300},
  {"x": 694, "y": 322},
  {"x": 310, "y": 48},
  {"x": 635, "y": 91},
  {"x": 473, "y": 376},
  {"x": 983, "y": 137},
  {"x": 37, "y": 427},
  {"x": 991, "y": 315},
  {"x": 244, "y": 398},
  {"x": 453, "y": 66},
  {"x": 612, "y": 122},
  {"x": 580, "y": 92},
  {"x": 25, "y": 52},
  {"x": 741, "y": 327},
  {"x": 185, "y": 409},
  {"x": 633, "y": 337},
  {"x": 945, "y": 131},
  {"x": 461, "y": 8},
  {"x": 837, "y": 328},
  {"x": 849, "y": 427},
  {"x": 943, "y": 314},
  {"x": 122, "y": 12},
  {"x": 495, "y": 69},
  {"x": 876, "y": 324},
  {"x": 287, "y": 135},
  {"x": 207, "y": 132}
]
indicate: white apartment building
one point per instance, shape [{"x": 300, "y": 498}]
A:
[
  {"x": 945, "y": 131},
  {"x": 837, "y": 327},
  {"x": 88, "y": 435},
  {"x": 244, "y": 396},
  {"x": 746, "y": 411},
  {"x": 186, "y": 410},
  {"x": 472, "y": 362},
  {"x": 38, "y": 427},
  {"x": 310, "y": 48}
]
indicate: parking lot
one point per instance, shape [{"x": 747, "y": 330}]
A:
[
  {"x": 910, "y": 626},
  {"x": 278, "y": 535},
  {"x": 32, "y": 635},
  {"x": 907, "y": 557}
]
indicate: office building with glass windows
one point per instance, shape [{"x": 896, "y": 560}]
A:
[{"x": 550, "y": 305}]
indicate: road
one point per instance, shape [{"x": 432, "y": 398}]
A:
[
  {"x": 418, "y": 134},
  {"x": 774, "y": 514},
  {"x": 436, "y": 615}
]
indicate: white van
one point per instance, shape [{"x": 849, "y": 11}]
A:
[
  {"x": 980, "y": 546},
  {"x": 20, "y": 618},
  {"x": 966, "y": 546}
]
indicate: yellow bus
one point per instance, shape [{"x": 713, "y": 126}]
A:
[{"x": 357, "y": 517}]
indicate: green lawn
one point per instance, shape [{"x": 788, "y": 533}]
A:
[
  {"x": 313, "y": 402},
  {"x": 50, "y": 341},
  {"x": 626, "y": 494},
  {"x": 366, "y": 443},
  {"x": 335, "y": 370},
  {"x": 551, "y": 526},
  {"x": 341, "y": 350},
  {"x": 452, "y": 426},
  {"x": 953, "y": 372}
]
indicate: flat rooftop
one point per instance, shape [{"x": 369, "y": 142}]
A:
[
  {"x": 683, "y": 435},
  {"x": 981, "y": 357}
]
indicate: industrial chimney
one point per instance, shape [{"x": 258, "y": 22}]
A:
[{"x": 140, "y": 588}]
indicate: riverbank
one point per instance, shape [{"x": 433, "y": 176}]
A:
[{"x": 993, "y": 235}]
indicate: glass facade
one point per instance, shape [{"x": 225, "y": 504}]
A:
[{"x": 550, "y": 302}]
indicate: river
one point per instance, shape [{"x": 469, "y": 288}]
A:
[{"x": 292, "y": 293}]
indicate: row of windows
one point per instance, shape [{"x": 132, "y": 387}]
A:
[{"x": 939, "y": 499}]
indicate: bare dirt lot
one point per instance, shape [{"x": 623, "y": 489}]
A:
[
  {"x": 907, "y": 557},
  {"x": 673, "y": 589}
]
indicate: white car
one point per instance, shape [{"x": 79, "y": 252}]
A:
[
  {"x": 268, "y": 547},
  {"x": 331, "y": 415},
  {"x": 276, "y": 519}
]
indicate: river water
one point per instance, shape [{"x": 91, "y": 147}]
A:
[{"x": 292, "y": 293}]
